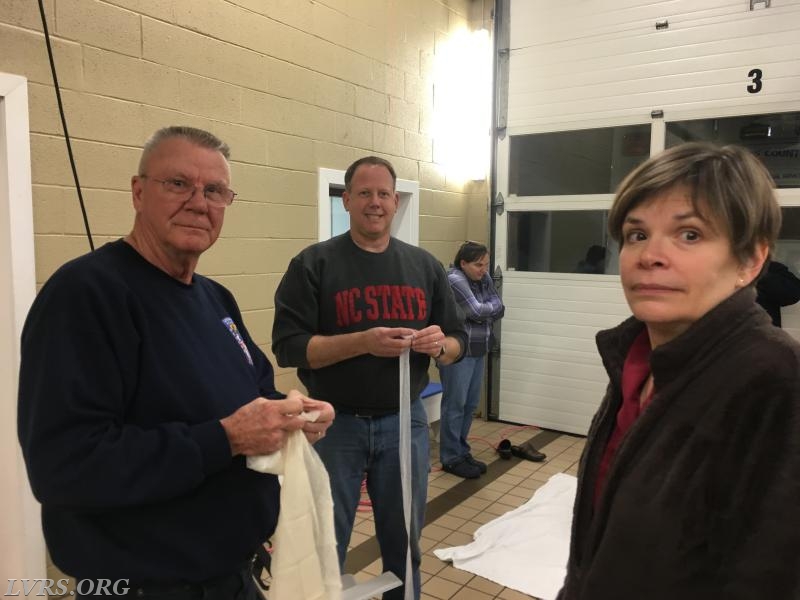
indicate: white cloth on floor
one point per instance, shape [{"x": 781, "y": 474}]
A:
[
  {"x": 304, "y": 560},
  {"x": 527, "y": 548}
]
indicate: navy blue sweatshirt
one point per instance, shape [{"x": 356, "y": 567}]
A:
[{"x": 125, "y": 375}]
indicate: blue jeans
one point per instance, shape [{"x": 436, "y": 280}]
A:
[
  {"x": 461, "y": 392},
  {"x": 353, "y": 446}
]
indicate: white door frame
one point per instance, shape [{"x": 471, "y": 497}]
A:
[
  {"x": 20, "y": 525},
  {"x": 405, "y": 225}
]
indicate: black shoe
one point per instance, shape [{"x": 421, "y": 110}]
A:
[
  {"x": 481, "y": 465},
  {"x": 463, "y": 469},
  {"x": 504, "y": 449},
  {"x": 528, "y": 452}
]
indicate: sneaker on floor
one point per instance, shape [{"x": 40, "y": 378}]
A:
[
  {"x": 481, "y": 465},
  {"x": 463, "y": 469}
]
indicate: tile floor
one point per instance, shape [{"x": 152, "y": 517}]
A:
[{"x": 440, "y": 580}]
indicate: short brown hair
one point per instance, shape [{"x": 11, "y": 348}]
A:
[
  {"x": 199, "y": 137},
  {"x": 369, "y": 160},
  {"x": 469, "y": 252},
  {"x": 729, "y": 187}
]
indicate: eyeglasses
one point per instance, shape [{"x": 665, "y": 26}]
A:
[{"x": 216, "y": 195}]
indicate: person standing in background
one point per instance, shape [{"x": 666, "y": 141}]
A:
[
  {"x": 595, "y": 261},
  {"x": 477, "y": 297},
  {"x": 776, "y": 288}
]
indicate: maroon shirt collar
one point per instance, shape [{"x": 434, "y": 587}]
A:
[{"x": 634, "y": 374}]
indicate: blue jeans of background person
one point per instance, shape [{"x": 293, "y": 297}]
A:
[
  {"x": 355, "y": 445},
  {"x": 461, "y": 392}
]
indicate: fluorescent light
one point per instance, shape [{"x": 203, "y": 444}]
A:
[{"x": 462, "y": 104}]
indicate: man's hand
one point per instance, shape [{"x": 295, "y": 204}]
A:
[
  {"x": 261, "y": 426},
  {"x": 388, "y": 341},
  {"x": 314, "y": 430},
  {"x": 428, "y": 341},
  {"x": 325, "y": 350}
]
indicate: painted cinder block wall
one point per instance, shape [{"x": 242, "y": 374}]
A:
[{"x": 291, "y": 85}]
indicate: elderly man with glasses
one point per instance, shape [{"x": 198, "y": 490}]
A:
[{"x": 141, "y": 393}]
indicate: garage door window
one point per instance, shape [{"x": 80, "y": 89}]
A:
[
  {"x": 566, "y": 241},
  {"x": 586, "y": 161},
  {"x": 774, "y": 138}
]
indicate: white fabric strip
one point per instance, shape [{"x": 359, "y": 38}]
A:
[{"x": 405, "y": 463}]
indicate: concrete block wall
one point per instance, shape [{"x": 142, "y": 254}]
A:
[{"x": 291, "y": 85}]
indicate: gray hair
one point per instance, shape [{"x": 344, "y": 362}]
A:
[{"x": 199, "y": 137}]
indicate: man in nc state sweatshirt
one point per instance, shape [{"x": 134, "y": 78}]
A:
[{"x": 344, "y": 312}]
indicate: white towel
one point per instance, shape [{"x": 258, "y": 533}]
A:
[
  {"x": 527, "y": 548},
  {"x": 304, "y": 560}
]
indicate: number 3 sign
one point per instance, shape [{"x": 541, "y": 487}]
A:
[{"x": 755, "y": 85}]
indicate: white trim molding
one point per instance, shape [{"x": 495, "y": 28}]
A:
[{"x": 20, "y": 525}]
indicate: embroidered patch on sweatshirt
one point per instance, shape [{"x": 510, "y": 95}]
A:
[{"x": 228, "y": 322}]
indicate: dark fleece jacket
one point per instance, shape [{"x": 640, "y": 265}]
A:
[{"x": 702, "y": 500}]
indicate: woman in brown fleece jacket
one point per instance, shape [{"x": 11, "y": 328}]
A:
[{"x": 689, "y": 486}]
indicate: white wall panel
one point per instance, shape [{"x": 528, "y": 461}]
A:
[
  {"x": 550, "y": 372},
  {"x": 574, "y": 61},
  {"x": 20, "y": 519},
  {"x": 539, "y": 22}
]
